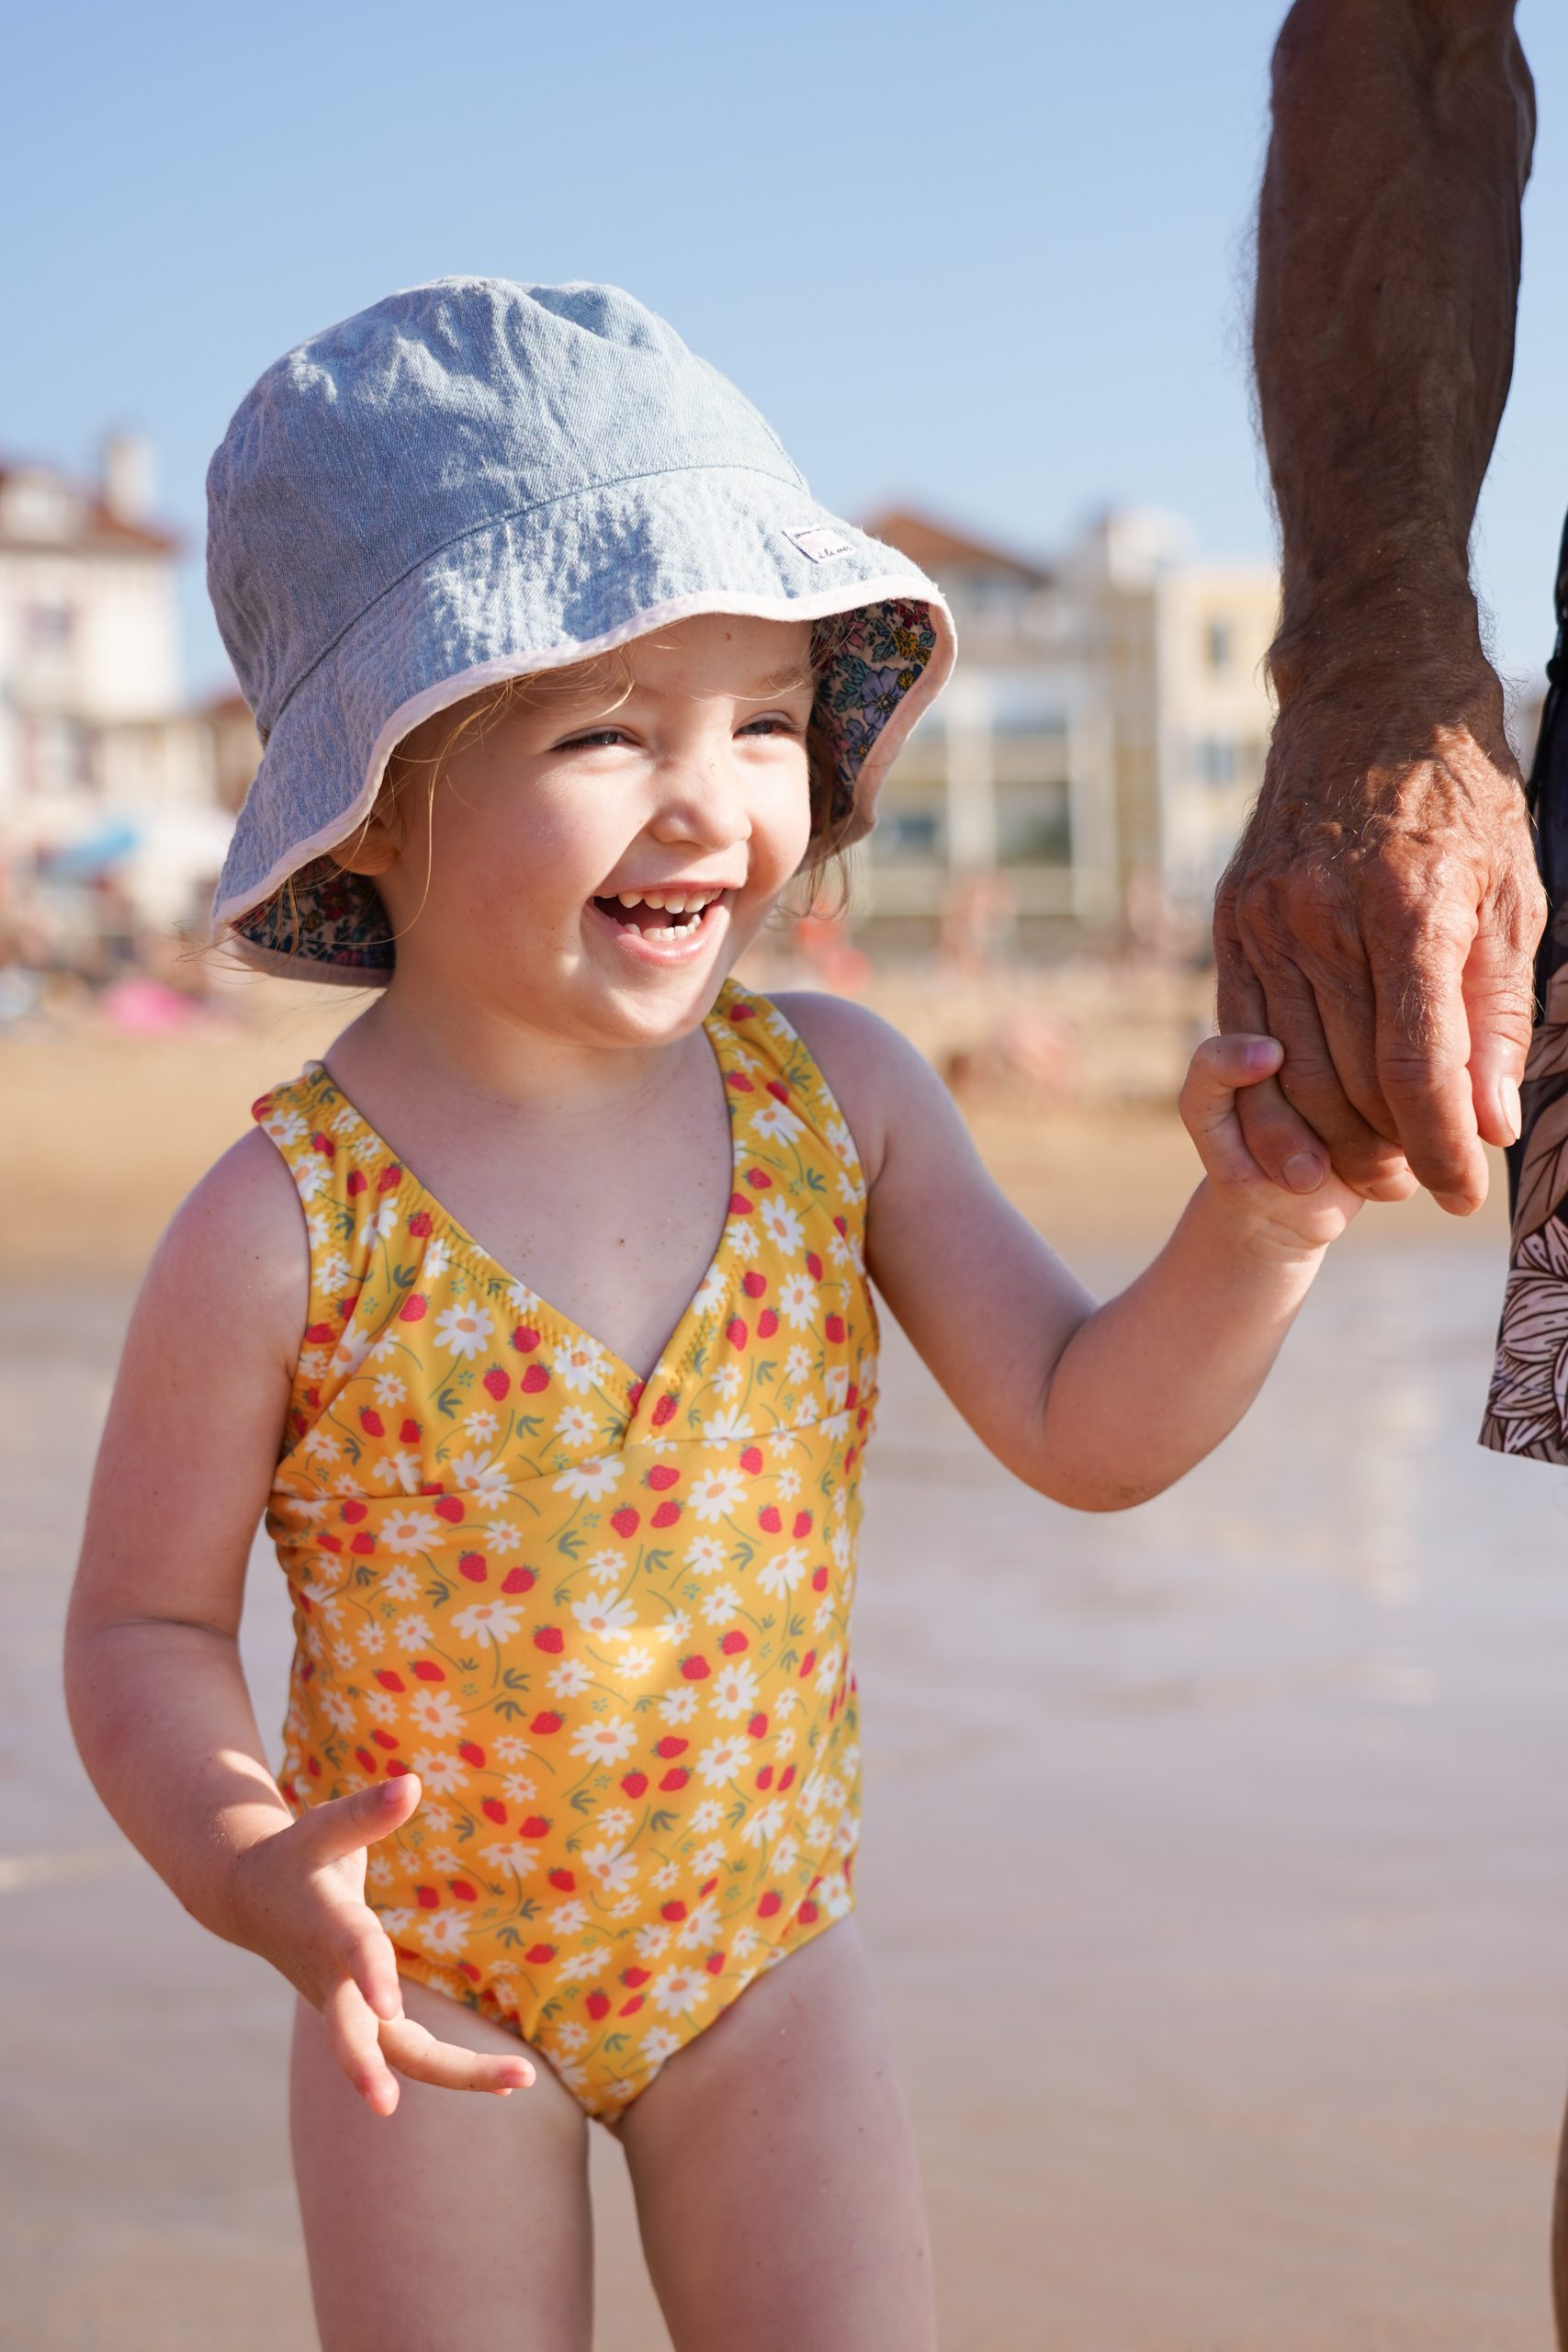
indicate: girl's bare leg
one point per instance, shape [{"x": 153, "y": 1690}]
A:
[
  {"x": 461, "y": 2219},
  {"x": 774, "y": 2171}
]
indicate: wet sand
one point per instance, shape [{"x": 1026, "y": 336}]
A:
[{"x": 1216, "y": 1858}]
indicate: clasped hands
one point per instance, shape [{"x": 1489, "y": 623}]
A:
[{"x": 1379, "y": 918}]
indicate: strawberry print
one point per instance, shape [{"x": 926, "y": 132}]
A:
[{"x": 606, "y": 1619}]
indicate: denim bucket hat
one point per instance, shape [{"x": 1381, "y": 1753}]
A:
[{"x": 473, "y": 480}]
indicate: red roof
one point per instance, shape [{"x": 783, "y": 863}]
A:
[
  {"x": 938, "y": 550},
  {"x": 100, "y": 530}
]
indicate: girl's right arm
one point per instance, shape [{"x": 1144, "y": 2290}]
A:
[{"x": 157, "y": 1698}]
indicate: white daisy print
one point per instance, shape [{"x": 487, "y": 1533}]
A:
[
  {"x": 775, "y": 1122},
  {"x": 410, "y": 1531},
  {"x": 781, "y": 1222},
  {"x": 606, "y": 1741},
  {"x": 511, "y": 1854},
  {"x": 601, "y": 1613},
  {"x": 478, "y": 1475},
  {"x": 797, "y": 1305},
  {"x": 722, "y": 1759},
  {"x": 715, "y": 1493},
  {"x": 578, "y": 1364},
  {"x": 734, "y": 1689},
  {"x": 443, "y": 1775},
  {"x": 782, "y": 1570},
  {"x": 466, "y": 1330},
  {"x": 612, "y": 1866},
  {"x": 351, "y": 1354},
  {"x": 589, "y": 1480},
  {"x": 443, "y": 1931},
  {"x": 436, "y": 1712},
  {"x": 681, "y": 1989},
  {"x": 491, "y": 1621},
  {"x": 720, "y": 1429},
  {"x": 710, "y": 1290}
]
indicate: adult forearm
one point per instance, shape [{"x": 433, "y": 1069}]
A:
[
  {"x": 166, "y": 1728},
  {"x": 1388, "y": 266},
  {"x": 1153, "y": 1380}
]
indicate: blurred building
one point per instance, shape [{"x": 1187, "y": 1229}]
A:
[
  {"x": 1090, "y": 766},
  {"x": 106, "y": 774}
]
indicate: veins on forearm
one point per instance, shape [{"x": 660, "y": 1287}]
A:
[{"x": 1388, "y": 261}]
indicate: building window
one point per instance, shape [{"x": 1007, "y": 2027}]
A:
[
  {"x": 1215, "y": 756},
  {"x": 49, "y": 626},
  {"x": 1033, "y": 824},
  {"x": 911, "y": 835},
  {"x": 1218, "y": 645}
]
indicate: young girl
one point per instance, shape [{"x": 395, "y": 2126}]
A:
[{"x": 538, "y": 1321}]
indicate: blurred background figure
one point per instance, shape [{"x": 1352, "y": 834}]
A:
[{"x": 116, "y": 793}]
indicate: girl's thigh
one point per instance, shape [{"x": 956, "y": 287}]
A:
[
  {"x": 459, "y": 2219},
  {"x": 774, "y": 2171}
]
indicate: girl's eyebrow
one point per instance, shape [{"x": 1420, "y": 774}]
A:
[{"x": 780, "y": 681}]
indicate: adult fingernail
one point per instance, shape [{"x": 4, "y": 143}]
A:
[
  {"x": 1512, "y": 1110},
  {"x": 1304, "y": 1171}
]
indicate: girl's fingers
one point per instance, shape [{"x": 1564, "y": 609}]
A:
[
  {"x": 1238, "y": 1058},
  {"x": 325, "y": 1833},
  {"x": 374, "y": 1966},
  {"x": 416, "y": 2053},
  {"x": 1220, "y": 1068},
  {"x": 353, "y": 2030}
]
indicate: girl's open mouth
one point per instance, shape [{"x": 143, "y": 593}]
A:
[{"x": 663, "y": 918}]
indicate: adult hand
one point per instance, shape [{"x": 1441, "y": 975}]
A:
[
  {"x": 298, "y": 1900},
  {"x": 1379, "y": 918}
]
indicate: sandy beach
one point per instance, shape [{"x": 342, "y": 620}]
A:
[{"x": 1248, "y": 2022}]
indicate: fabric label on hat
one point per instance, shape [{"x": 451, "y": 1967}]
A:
[{"x": 820, "y": 544}]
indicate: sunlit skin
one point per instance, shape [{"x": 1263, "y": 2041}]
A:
[
  {"x": 1381, "y": 911},
  {"x": 549, "y": 1079},
  {"x": 693, "y": 772}
]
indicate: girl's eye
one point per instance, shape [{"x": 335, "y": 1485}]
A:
[
  {"x": 599, "y": 735},
  {"x": 773, "y": 723}
]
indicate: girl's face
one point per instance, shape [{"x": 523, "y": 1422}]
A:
[{"x": 524, "y": 877}]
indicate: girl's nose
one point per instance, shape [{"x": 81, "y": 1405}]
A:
[{"x": 702, "y": 801}]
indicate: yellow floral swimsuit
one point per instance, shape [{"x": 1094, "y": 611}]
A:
[{"x": 605, "y": 1620}]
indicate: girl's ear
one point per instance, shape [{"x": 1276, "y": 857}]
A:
[{"x": 372, "y": 849}]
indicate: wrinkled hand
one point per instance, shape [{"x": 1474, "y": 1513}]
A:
[
  {"x": 1380, "y": 919},
  {"x": 300, "y": 1902}
]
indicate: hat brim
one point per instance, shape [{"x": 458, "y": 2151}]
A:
[{"x": 539, "y": 591}]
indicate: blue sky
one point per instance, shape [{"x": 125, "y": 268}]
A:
[{"x": 984, "y": 258}]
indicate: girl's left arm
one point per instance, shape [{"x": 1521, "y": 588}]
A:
[{"x": 1097, "y": 1407}]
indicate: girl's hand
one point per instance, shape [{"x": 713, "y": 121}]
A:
[
  {"x": 1286, "y": 1224},
  {"x": 300, "y": 1902}
]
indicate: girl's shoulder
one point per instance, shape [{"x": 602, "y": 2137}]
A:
[
  {"x": 864, "y": 1063},
  {"x": 237, "y": 1254}
]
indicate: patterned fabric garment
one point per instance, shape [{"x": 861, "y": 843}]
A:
[
  {"x": 1527, "y": 1410},
  {"x": 605, "y": 1620}
]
